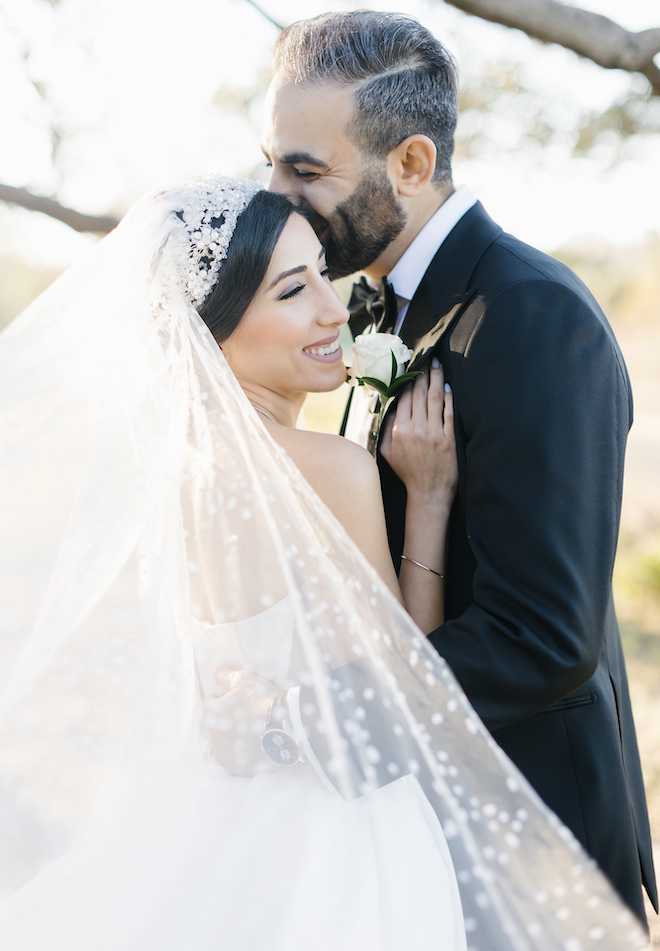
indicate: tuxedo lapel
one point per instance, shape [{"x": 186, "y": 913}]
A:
[
  {"x": 445, "y": 290},
  {"x": 446, "y": 286},
  {"x": 426, "y": 344}
]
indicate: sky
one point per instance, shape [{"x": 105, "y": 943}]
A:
[{"x": 131, "y": 85}]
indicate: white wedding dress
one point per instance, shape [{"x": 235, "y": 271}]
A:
[
  {"x": 278, "y": 862},
  {"x": 145, "y": 510}
]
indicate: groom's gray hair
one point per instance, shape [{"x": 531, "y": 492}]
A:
[{"x": 406, "y": 80}]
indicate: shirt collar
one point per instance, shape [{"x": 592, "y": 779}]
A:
[{"x": 407, "y": 273}]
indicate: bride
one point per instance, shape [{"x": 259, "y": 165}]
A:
[{"x": 179, "y": 562}]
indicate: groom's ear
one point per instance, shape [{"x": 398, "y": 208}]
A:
[{"x": 411, "y": 165}]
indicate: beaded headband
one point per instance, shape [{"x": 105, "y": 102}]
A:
[{"x": 210, "y": 208}]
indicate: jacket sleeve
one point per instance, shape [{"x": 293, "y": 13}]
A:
[{"x": 543, "y": 410}]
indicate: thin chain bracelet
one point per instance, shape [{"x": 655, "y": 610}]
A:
[{"x": 425, "y": 567}]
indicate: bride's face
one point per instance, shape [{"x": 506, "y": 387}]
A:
[{"x": 287, "y": 341}]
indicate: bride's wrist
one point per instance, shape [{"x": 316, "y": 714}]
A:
[{"x": 429, "y": 502}]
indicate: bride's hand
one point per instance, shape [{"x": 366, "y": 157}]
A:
[
  {"x": 418, "y": 438},
  {"x": 234, "y": 722}
]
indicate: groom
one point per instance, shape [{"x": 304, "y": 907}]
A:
[{"x": 359, "y": 131}]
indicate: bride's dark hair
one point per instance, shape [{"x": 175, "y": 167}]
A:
[{"x": 257, "y": 232}]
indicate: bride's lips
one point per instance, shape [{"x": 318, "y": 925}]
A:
[{"x": 325, "y": 351}]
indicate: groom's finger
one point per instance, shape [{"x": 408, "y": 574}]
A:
[{"x": 225, "y": 677}]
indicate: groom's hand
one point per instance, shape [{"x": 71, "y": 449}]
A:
[{"x": 234, "y": 722}]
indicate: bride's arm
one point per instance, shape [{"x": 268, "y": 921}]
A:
[
  {"x": 346, "y": 478},
  {"x": 418, "y": 443}
]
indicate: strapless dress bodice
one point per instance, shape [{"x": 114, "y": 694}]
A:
[{"x": 260, "y": 644}]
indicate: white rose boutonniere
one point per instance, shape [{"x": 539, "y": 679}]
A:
[{"x": 379, "y": 363}]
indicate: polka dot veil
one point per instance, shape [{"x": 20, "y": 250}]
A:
[{"x": 151, "y": 529}]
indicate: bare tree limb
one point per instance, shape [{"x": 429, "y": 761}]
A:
[
  {"x": 266, "y": 15},
  {"x": 79, "y": 222},
  {"x": 652, "y": 73},
  {"x": 589, "y": 34}
]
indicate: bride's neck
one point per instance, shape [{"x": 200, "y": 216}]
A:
[{"x": 284, "y": 409}]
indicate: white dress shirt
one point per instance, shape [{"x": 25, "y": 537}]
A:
[{"x": 405, "y": 277}]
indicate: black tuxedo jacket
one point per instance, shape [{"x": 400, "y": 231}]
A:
[{"x": 543, "y": 407}]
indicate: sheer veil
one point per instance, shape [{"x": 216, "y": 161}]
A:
[{"x": 144, "y": 510}]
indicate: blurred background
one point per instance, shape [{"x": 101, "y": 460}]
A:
[{"x": 101, "y": 100}]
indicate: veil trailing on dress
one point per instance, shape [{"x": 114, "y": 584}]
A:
[{"x": 147, "y": 518}]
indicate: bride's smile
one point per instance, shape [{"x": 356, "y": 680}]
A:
[{"x": 326, "y": 350}]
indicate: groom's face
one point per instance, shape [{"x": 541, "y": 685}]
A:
[{"x": 348, "y": 197}]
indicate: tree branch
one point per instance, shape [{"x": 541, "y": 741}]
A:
[
  {"x": 589, "y": 34},
  {"x": 652, "y": 73},
  {"x": 266, "y": 15},
  {"x": 48, "y": 206}
]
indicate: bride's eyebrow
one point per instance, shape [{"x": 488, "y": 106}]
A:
[
  {"x": 280, "y": 277},
  {"x": 293, "y": 270}
]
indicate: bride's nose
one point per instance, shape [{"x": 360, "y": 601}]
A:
[{"x": 331, "y": 311}]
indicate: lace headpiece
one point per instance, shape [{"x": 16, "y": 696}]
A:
[{"x": 210, "y": 209}]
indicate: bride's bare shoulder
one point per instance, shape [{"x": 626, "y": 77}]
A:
[
  {"x": 330, "y": 464},
  {"x": 346, "y": 478}
]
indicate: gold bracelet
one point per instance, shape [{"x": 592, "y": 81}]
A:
[{"x": 425, "y": 567}]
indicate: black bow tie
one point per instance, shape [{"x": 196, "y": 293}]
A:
[{"x": 373, "y": 306}]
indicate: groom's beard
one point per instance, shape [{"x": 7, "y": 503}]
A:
[{"x": 359, "y": 230}]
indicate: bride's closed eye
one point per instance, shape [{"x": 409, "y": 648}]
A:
[{"x": 292, "y": 292}]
